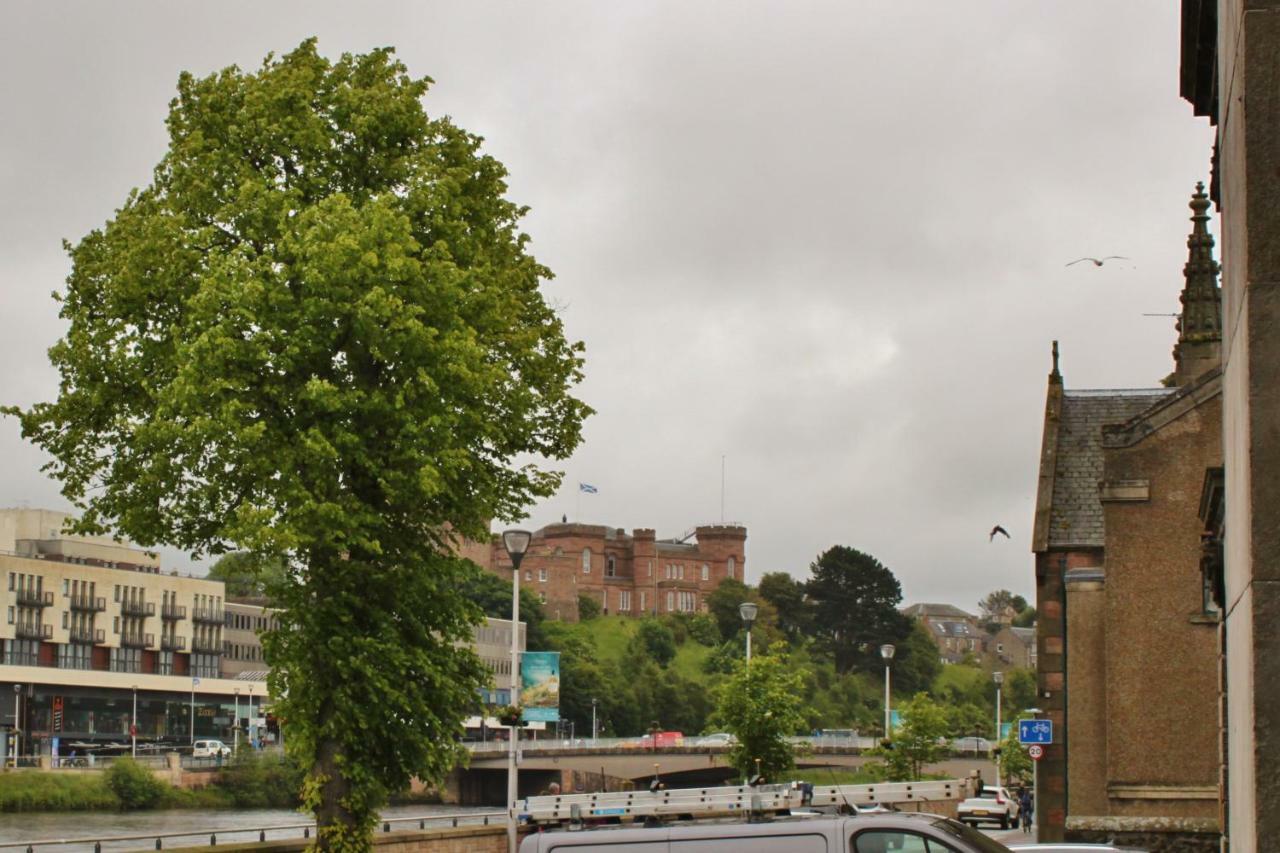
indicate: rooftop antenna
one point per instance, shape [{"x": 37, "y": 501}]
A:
[{"x": 722, "y": 488}]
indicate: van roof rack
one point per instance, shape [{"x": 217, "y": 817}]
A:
[{"x": 729, "y": 800}]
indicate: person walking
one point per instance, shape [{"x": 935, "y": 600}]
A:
[{"x": 1026, "y": 808}]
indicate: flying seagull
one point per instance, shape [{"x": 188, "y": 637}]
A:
[
  {"x": 1097, "y": 262},
  {"x": 995, "y": 530}
]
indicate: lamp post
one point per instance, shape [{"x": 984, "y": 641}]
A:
[
  {"x": 748, "y": 610},
  {"x": 252, "y": 726},
  {"x": 517, "y": 544},
  {"x": 133, "y": 723},
  {"x": 17, "y": 729},
  {"x": 593, "y": 721},
  {"x": 886, "y": 652},
  {"x": 998, "y": 677},
  {"x": 235, "y": 725}
]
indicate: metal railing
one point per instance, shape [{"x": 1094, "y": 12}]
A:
[
  {"x": 137, "y": 608},
  {"x": 640, "y": 744},
  {"x": 137, "y": 640},
  {"x": 173, "y": 644},
  {"x": 259, "y": 833},
  {"x": 33, "y": 631},
  {"x": 88, "y": 636},
  {"x": 211, "y": 615},
  {"x": 173, "y": 612},
  {"x": 34, "y": 598},
  {"x": 203, "y": 646},
  {"x": 91, "y": 603}
]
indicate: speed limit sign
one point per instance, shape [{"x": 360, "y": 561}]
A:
[{"x": 1036, "y": 751}]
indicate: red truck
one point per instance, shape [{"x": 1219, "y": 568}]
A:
[{"x": 662, "y": 739}]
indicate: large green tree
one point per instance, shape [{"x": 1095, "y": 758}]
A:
[
  {"x": 855, "y": 600},
  {"x": 247, "y": 575},
  {"x": 318, "y": 335},
  {"x": 761, "y": 704},
  {"x": 919, "y": 741},
  {"x": 786, "y": 594}
]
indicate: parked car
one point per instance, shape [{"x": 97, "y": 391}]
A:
[
  {"x": 996, "y": 805},
  {"x": 865, "y": 833},
  {"x": 663, "y": 739},
  {"x": 210, "y": 749},
  {"x": 1050, "y": 847},
  {"x": 717, "y": 739}
]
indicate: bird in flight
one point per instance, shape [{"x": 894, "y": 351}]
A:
[
  {"x": 1097, "y": 262},
  {"x": 1000, "y": 530}
]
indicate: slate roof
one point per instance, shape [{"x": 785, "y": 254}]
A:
[
  {"x": 921, "y": 611},
  {"x": 1026, "y": 635},
  {"x": 1075, "y": 516}
]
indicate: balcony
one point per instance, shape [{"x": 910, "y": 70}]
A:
[
  {"x": 33, "y": 631},
  {"x": 203, "y": 646},
  {"x": 209, "y": 615},
  {"x": 173, "y": 644},
  {"x": 88, "y": 636},
  {"x": 88, "y": 603},
  {"x": 137, "y": 639},
  {"x": 34, "y": 598},
  {"x": 173, "y": 612},
  {"x": 130, "y": 607}
]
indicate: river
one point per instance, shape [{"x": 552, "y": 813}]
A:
[{"x": 230, "y": 826}]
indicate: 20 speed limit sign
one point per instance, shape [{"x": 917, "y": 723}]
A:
[{"x": 1036, "y": 751}]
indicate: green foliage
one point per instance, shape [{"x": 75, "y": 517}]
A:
[
  {"x": 1025, "y": 619},
  {"x": 588, "y": 607},
  {"x": 254, "y": 781},
  {"x": 761, "y": 704},
  {"x": 248, "y": 575},
  {"x": 722, "y": 605},
  {"x": 655, "y": 640},
  {"x": 135, "y": 786},
  {"x": 1016, "y": 766},
  {"x": 916, "y": 662},
  {"x": 997, "y": 607},
  {"x": 787, "y": 595},
  {"x": 1020, "y": 690},
  {"x": 702, "y": 628},
  {"x": 35, "y": 790},
  {"x": 855, "y": 600},
  {"x": 318, "y": 336},
  {"x": 492, "y": 595},
  {"x": 917, "y": 742}
]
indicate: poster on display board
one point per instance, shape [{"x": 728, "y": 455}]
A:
[{"x": 540, "y": 686}]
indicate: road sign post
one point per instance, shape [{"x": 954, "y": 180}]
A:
[
  {"x": 1036, "y": 751},
  {"x": 1035, "y": 731}
]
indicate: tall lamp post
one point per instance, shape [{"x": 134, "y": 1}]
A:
[
  {"x": 517, "y": 543},
  {"x": 235, "y": 726},
  {"x": 17, "y": 729},
  {"x": 748, "y": 610},
  {"x": 998, "y": 677},
  {"x": 593, "y": 721},
  {"x": 886, "y": 652}
]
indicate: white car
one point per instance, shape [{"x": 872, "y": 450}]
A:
[
  {"x": 995, "y": 805},
  {"x": 210, "y": 749}
]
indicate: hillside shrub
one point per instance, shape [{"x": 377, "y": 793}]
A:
[{"x": 588, "y": 607}]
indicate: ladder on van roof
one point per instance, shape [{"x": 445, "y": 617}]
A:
[{"x": 727, "y": 801}]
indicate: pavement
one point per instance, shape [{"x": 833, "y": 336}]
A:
[{"x": 1010, "y": 836}]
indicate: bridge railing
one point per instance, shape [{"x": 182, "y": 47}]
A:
[{"x": 690, "y": 742}]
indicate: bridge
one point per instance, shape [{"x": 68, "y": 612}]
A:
[{"x": 617, "y": 763}]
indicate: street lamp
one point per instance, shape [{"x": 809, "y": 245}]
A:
[
  {"x": 886, "y": 652},
  {"x": 998, "y": 677},
  {"x": 17, "y": 729},
  {"x": 133, "y": 723},
  {"x": 748, "y": 610},
  {"x": 517, "y": 544},
  {"x": 593, "y": 721},
  {"x": 235, "y": 725}
]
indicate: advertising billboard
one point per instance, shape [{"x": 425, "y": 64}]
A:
[{"x": 540, "y": 686}]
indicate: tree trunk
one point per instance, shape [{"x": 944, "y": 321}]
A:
[{"x": 336, "y": 827}]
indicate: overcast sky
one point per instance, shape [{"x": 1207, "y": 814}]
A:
[{"x": 824, "y": 241}]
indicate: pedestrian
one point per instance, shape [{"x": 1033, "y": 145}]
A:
[{"x": 1026, "y": 807}]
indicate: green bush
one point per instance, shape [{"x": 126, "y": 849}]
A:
[
  {"x": 258, "y": 781},
  {"x": 588, "y": 607},
  {"x": 702, "y": 628},
  {"x": 134, "y": 785},
  {"x": 36, "y": 790}
]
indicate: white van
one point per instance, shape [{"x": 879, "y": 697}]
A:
[
  {"x": 210, "y": 749},
  {"x": 895, "y": 832}
]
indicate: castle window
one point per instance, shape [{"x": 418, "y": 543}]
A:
[
  {"x": 671, "y": 601},
  {"x": 542, "y": 575},
  {"x": 586, "y": 561},
  {"x": 611, "y": 567},
  {"x": 651, "y": 568},
  {"x": 730, "y": 567},
  {"x": 706, "y": 572},
  {"x": 644, "y": 600}
]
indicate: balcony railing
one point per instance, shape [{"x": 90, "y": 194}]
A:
[
  {"x": 203, "y": 646},
  {"x": 129, "y": 607},
  {"x": 210, "y": 615},
  {"x": 173, "y": 644},
  {"x": 89, "y": 603},
  {"x": 34, "y": 598},
  {"x": 173, "y": 612},
  {"x": 88, "y": 636},
  {"x": 33, "y": 631},
  {"x": 137, "y": 640}
]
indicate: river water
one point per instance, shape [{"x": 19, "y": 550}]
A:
[{"x": 230, "y": 826}]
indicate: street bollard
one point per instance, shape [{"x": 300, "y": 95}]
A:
[
  {"x": 262, "y": 835},
  {"x": 486, "y": 820},
  {"x": 158, "y": 844},
  {"x": 213, "y": 840},
  {"x": 97, "y": 847},
  {"x": 455, "y": 822},
  {"x": 306, "y": 832}
]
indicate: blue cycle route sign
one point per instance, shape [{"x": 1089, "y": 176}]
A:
[{"x": 1035, "y": 731}]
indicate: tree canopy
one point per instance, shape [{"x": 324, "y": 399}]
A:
[
  {"x": 761, "y": 704},
  {"x": 318, "y": 335},
  {"x": 247, "y": 575},
  {"x": 855, "y": 599}
]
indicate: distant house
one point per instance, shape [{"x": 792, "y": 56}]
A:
[
  {"x": 1012, "y": 647},
  {"x": 955, "y": 632}
]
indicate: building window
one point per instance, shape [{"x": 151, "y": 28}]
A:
[
  {"x": 651, "y": 568},
  {"x": 624, "y": 601},
  {"x": 528, "y": 576},
  {"x": 671, "y": 601},
  {"x": 680, "y": 571},
  {"x": 999, "y": 648},
  {"x": 730, "y": 567},
  {"x": 643, "y": 600},
  {"x": 586, "y": 561},
  {"x": 706, "y": 572},
  {"x": 611, "y": 567},
  {"x": 542, "y": 597},
  {"x": 542, "y": 575},
  {"x": 117, "y": 592},
  {"x": 10, "y": 581},
  {"x": 11, "y": 615}
]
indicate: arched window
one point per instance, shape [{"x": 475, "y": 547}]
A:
[
  {"x": 731, "y": 566},
  {"x": 586, "y": 561},
  {"x": 706, "y": 572},
  {"x": 611, "y": 567}
]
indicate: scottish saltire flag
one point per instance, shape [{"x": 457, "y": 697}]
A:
[{"x": 588, "y": 488}]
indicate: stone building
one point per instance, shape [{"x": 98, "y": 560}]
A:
[
  {"x": 628, "y": 574},
  {"x": 1128, "y": 664},
  {"x": 955, "y": 632},
  {"x": 1228, "y": 74}
]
